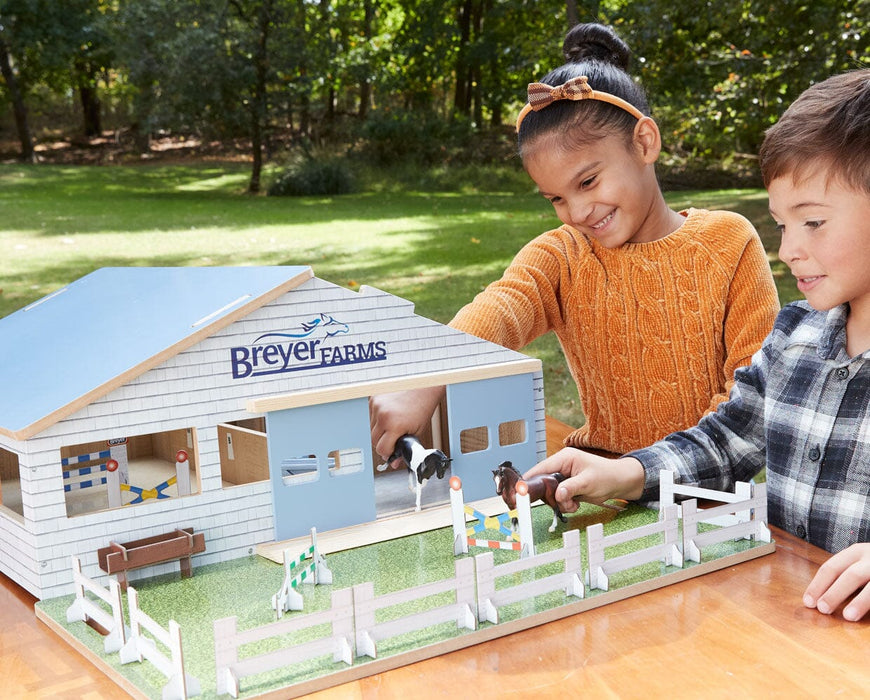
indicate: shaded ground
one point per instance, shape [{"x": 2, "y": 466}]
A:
[
  {"x": 112, "y": 148},
  {"x": 675, "y": 173}
]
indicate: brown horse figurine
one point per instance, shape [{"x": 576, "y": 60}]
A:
[{"x": 541, "y": 487}]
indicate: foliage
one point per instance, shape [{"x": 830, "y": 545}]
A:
[
  {"x": 719, "y": 74},
  {"x": 312, "y": 176},
  {"x": 418, "y": 136},
  {"x": 431, "y": 75}
]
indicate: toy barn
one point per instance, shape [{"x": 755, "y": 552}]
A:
[{"x": 230, "y": 400}]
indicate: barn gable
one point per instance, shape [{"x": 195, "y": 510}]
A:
[{"x": 293, "y": 341}]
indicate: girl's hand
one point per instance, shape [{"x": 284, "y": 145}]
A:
[
  {"x": 845, "y": 573},
  {"x": 591, "y": 478},
  {"x": 401, "y": 413}
]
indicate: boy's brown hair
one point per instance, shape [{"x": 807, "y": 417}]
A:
[{"x": 828, "y": 126}]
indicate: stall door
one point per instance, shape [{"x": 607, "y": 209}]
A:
[
  {"x": 320, "y": 467},
  {"x": 490, "y": 421}
]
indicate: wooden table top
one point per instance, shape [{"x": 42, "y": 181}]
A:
[{"x": 741, "y": 630}]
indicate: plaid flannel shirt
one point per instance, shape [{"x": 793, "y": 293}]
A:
[{"x": 803, "y": 405}]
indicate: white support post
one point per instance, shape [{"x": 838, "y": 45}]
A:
[
  {"x": 457, "y": 510},
  {"x": 119, "y": 475},
  {"x": 182, "y": 473},
  {"x": 322, "y": 573},
  {"x": 524, "y": 516}
]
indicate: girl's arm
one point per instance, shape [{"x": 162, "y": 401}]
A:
[
  {"x": 526, "y": 302},
  {"x": 752, "y": 305}
]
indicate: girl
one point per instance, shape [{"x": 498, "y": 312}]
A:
[{"x": 654, "y": 309}]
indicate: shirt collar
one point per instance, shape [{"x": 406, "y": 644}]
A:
[{"x": 833, "y": 337}]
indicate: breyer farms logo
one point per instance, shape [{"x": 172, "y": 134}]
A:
[{"x": 315, "y": 344}]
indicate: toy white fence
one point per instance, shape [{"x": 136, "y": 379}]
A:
[
  {"x": 84, "y": 609},
  {"x": 668, "y": 551},
  {"x": 742, "y": 492},
  {"x": 366, "y": 605},
  {"x": 227, "y": 640},
  {"x": 287, "y": 598},
  {"x": 139, "y": 646},
  {"x": 463, "y": 536},
  {"x": 755, "y": 526},
  {"x": 489, "y": 599}
]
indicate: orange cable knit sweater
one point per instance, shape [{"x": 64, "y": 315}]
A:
[{"x": 652, "y": 332}]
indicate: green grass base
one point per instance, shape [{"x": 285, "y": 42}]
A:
[{"x": 244, "y": 588}]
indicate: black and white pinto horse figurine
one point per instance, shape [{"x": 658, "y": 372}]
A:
[
  {"x": 541, "y": 487},
  {"x": 422, "y": 463}
]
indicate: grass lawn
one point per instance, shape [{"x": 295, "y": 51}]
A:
[{"x": 436, "y": 248}]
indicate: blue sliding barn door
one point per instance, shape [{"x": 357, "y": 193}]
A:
[
  {"x": 320, "y": 467},
  {"x": 490, "y": 421}
]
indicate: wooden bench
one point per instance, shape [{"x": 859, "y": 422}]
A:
[{"x": 179, "y": 544}]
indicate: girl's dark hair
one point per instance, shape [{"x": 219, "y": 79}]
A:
[{"x": 598, "y": 53}]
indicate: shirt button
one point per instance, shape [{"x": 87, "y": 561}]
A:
[
  {"x": 842, "y": 373},
  {"x": 801, "y": 532},
  {"x": 814, "y": 453}
]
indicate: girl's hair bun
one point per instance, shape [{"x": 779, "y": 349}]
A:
[{"x": 595, "y": 42}]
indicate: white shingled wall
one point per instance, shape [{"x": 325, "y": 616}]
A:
[{"x": 194, "y": 389}]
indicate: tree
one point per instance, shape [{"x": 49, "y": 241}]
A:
[
  {"x": 16, "y": 97},
  {"x": 719, "y": 75}
]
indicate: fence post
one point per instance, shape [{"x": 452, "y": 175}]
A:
[
  {"x": 759, "y": 493},
  {"x": 690, "y": 530},
  {"x": 464, "y": 573},
  {"x": 666, "y": 489},
  {"x": 364, "y": 618},
  {"x": 226, "y": 655},
  {"x": 457, "y": 510},
  {"x": 673, "y": 555},
  {"x": 595, "y": 558},
  {"x": 342, "y": 626}
]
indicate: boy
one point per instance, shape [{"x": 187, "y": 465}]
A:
[{"x": 802, "y": 408}]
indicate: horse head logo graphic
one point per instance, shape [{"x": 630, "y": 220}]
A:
[{"x": 324, "y": 325}]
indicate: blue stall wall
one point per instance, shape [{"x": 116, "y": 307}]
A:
[
  {"x": 489, "y": 403},
  {"x": 320, "y": 498}
]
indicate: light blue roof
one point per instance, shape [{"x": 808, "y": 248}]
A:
[{"x": 80, "y": 342}]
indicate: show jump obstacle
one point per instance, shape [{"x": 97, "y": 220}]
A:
[{"x": 519, "y": 539}]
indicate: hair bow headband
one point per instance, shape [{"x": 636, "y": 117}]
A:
[{"x": 542, "y": 95}]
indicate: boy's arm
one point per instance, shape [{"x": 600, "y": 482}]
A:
[
  {"x": 725, "y": 447},
  {"x": 591, "y": 478},
  {"x": 845, "y": 573}
]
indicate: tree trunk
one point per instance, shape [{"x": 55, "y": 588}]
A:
[
  {"x": 365, "y": 88},
  {"x": 462, "y": 94},
  {"x": 19, "y": 108},
  {"x": 475, "y": 72},
  {"x": 91, "y": 118},
  {"x": 259, "y": 106},
  {"x": 573, "y": 13}
]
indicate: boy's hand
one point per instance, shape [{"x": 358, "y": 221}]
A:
[
  {"x": 591, "y": 478},
  {"x": 845, "y": 573},
  {"x": 401, "y": 413}
]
